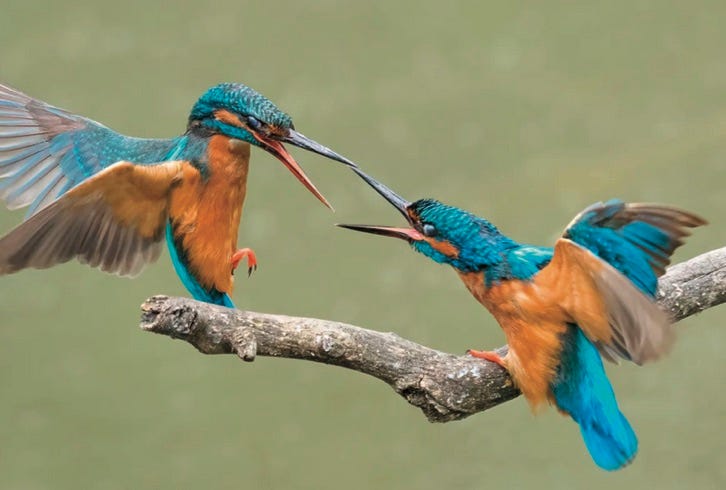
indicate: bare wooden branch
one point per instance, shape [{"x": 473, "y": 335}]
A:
[
  {"x": 445, "y": 387},
  {"x": 695, "y": 285}
]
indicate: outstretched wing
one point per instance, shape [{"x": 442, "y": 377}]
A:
[
  {"x": 114, "y": 220},
  {"x": 618, "y": 318},
  {"x": 635, "y": 238},
  {"x": 606, "y": 267},
  {"x": 45, "y": 151}
]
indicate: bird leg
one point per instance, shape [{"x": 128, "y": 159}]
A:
[
  {"x": 251, "y": 259},
  {"x": 488, "y": 355}
]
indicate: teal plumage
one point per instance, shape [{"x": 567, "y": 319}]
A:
[
  {"x": 562, "y": 308},
  {"x": 181, "y": 266},
  {"x": 639, "y": 248},
  {"x": 638, "y": 241},
  {"x": 242, "y": 100},
  {"x": 583, "y": 390},
  {"x": 45, "y": 151},
  {"x": 86, "y": 186}
]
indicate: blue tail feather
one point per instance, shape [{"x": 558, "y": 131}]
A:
[{"x": 583, "y": 390}]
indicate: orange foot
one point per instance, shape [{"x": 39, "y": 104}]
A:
[
  {"x": 488, "y": 355},
  {"x": 251, "y": 259}
]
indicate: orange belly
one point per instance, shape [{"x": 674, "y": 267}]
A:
[
  {"x": 206, "y": 213},
  {"x": 533, "y": 323}
]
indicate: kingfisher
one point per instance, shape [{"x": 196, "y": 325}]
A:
[
  {"x": 109, "y": 200},
  {"x": 562, "y": 308}
]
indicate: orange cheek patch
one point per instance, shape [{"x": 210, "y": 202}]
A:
[
  {"x": 228, "y": 118},
  {"x": 444, "y": 247}
]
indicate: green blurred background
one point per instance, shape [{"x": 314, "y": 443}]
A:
[{"x": 519, "y": 111}]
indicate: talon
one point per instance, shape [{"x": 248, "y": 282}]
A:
[
  {"x": 487, "y": 355},
  {"x": 251, "y": 260}
]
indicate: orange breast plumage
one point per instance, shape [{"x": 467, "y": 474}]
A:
[
  {"x": 205, "y": 212},
  {"x": 532, "y": 324}
]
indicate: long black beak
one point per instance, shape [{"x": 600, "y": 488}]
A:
[
  {"x": 397, "y": 201},
  {"x": 302, "y": 141},
  {"x": 408, "y": 234}
]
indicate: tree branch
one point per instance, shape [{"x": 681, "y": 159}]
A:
[{"x": 445, "y": 387}]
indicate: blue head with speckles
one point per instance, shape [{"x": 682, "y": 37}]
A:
[
  {"x": 239, "y": 112},
  {"x": 445, "y": 234},
  {"x": 454, "y": 236},
  {"x": 236, "y": 111}
]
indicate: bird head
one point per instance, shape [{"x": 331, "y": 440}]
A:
[
  {"x": 236, "y": 111},
  {"x": 443, "y": 233}
]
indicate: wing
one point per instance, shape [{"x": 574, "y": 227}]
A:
[
  {"x": 636, "y": 239},
  {"x": 618, "y": 318},
  {"x": 45, "y": 151},
  {"x": 114, "y": 220}
]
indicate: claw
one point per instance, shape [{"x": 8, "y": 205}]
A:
[
  {"x": 251, "y": 260},
  {"x": 488, "y": 355}
]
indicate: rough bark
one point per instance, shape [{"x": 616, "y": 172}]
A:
[{"x": 445, "y": 387}]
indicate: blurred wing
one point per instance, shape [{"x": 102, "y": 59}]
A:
[
  {"x": 34, "y": 140},
  {"x": 45, "y": 151},
  {"x": 115, "y": 221},
  {"x": 619, "y": 319},
  {"x": 636, "y": 239}
]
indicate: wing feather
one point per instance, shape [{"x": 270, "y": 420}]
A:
[
  {"x": 619, "y": 318},
  {"x": 635, "y": 238},
  {"x": 620, "y": 249},
  {"x": 34, "y": 136},
  {"x": 114, "y": 221},
  {"x": 46, "y": 151}
]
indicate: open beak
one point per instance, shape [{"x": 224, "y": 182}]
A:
[
  {"x": 408, "y": 234},
  {"x": 293, "y": 137}
]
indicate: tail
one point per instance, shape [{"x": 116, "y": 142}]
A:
[
  {"x": 215, "y": 298},
  {"x": 583, "y": 390}
]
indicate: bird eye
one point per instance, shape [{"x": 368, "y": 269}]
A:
[
  {"x": 429, "y": 230},
  {"x": 253, "y": 122}
]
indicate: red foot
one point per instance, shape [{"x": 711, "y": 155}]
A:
[
  {"x": 487, "y": 355},
  {"x": 251, "y": 259}
]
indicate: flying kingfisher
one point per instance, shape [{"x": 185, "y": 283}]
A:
[
  {"x": 109, "y": 200},
  {"x": 562, "y": 308}
]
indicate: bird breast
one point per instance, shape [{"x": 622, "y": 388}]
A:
[
  {"x": 532, "y": 323},
  {"x": 205, "y": 212}
]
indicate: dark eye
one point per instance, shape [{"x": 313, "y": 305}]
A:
[
  {"x": 253, "y": 122},
  {"x": 429, "y": 229}
]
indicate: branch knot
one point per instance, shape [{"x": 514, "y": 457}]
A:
[{"x": 333, "y": 343}]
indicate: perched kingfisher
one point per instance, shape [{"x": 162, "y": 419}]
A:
[
  {"x": 562, "y": 308},
  {"x": 109, "y": 200}
]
